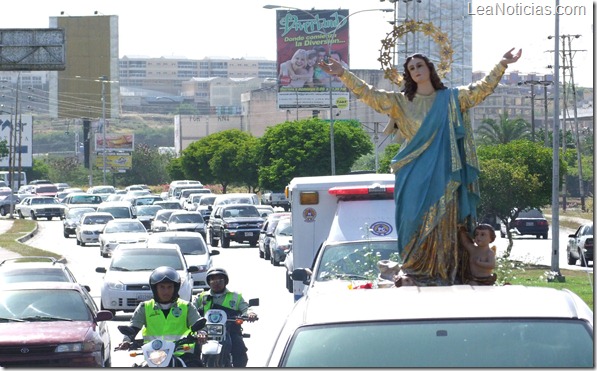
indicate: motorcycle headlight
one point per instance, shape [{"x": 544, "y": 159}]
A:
[
  {"x": 157, "y": 357},
  {"x": 215, "y": 330}
]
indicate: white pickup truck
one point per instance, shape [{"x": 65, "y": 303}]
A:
[{"x": 275, "y": 199}]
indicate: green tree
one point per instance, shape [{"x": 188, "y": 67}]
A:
[
  {"x": 3, "y": 148},
  {"x": 516, "y": 175},
  {"x": 39, "y": 170},
  {"x": 302, "y": 148},
  {"x": 226, "y": 158},
  {"x": 148, "y": 166},
  {"x": 386, "y": 157},
  {"x": 502, "y": 132}
]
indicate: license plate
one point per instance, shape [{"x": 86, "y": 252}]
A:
[
  {"x": 248, "y": 234},
  {"x": 530, "y": 224},
  {"x": 143, "y": 297}
]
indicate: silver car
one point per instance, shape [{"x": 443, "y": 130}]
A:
[{"x": 121, "y": 231}]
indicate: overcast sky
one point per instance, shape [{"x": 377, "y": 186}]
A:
[{"x": 243, "y": 28}]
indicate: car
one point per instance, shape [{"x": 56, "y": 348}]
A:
[
  {"x": 71, "y": 218},
  {"x": 61, "y": 186},
  {"x": 528, "y": 222},
  {"x": 101, "y": 189},
  {"x": 195, "y": 250},
  {"x": 265, "y": 210},
  {"x": 236, "y": 198},
  {"x": 185, "y": 193},
  {"x": 281, "y": 241},
  {"x": 45, "y": 190},
  {"x": 147, "y": 199},
  {"x": 81, "y": 199},
  {"x": 204, "y": 206},
  {"x": 266, "y": 233},
  {"x": 7, "y": 198},
  {"x": 234, "y": 222},
  {"x": 174, "y": 205},
  {"x": 289, "y": 265},
  {"x": 158, "y": 224},
  {"x": 580, "y": 245},
  {"x": 54, "y": 324},
  {"x": 35, "y": 269},
  {"x": 118, "y": 209},
  {"x": 136, "y": 187},
  {"x": 40, "y": 181},
  {"x": 183, "y": 220},
  {"x": 126, "y": 280},
  {"x": 90, "y": 225},
  {"x": 146, "y": 214},
  {"x": 190, "y": 203},
  {"x": 39, "y": 207},
  {"x": 459, "y": 326},
  {"x": 121, "y": 231}
]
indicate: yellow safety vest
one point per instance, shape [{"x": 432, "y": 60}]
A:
[
  {"x": 172, "y": 328},
  {"x": 232, "y": 300}
]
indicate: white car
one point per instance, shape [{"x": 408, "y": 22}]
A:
[
  {"x": 90, "y": 225},
  {"x": 195, "y": 250},
  {"x": 121, "y": 231},
  {"x": 39, "y": 207},
  {"x": 126, "y": 280},
  {"x": 459, "y": 326}
]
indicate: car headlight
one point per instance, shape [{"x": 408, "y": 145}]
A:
[
  {"x": 231, "y": 225},
  {"x": 114, "y": 285},
  {"x": 76, "y": 347},
  {"x": 202, "y": 268}
]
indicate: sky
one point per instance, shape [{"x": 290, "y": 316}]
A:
[{"x": 244, "y": 29}]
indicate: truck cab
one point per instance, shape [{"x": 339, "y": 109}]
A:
[{"x": 338, "y": 209}]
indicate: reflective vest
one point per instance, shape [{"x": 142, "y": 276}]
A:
[
  {"x": 232, "y": 300},
  {"x": 172, "y": 328}
]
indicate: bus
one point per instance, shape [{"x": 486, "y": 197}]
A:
[{"x": 5, "y": 177}]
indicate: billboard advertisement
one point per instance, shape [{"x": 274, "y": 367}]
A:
[
  {"x": 115, "y": 162},
  {"x": 115, "y": 142},
  {"x": 305, "y": 37},
  {"x": 23, "y": 140}
]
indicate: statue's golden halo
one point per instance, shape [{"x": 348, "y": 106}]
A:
[{"x": 440, "y": 38}]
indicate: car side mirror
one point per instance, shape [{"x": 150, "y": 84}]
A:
[
  {"x": 214, "y": 252},
  {"x": 100, "y": 270},
  {"x": 103, "y": 315},
  {"x": 301, "y": 274}
]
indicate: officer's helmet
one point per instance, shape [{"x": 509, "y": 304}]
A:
[
  {"x": 217, "y": 272},
  {"x": 164, "y": 274}
]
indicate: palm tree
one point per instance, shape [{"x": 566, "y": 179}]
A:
[{"x": 490, "y": 132}]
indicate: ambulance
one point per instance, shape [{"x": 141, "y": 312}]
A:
[{"x": 337, "y": 209}]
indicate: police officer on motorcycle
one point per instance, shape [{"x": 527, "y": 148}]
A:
[
  {"x": 166, "y": 315},
  {"x": 219, "y": 297}
]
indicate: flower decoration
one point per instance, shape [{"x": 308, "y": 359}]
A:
[{"x": 428, "y": 29}]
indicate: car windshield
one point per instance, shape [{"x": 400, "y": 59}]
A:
[
  {"x": 355, "y": 260},
  {"x": 163, "y": 217},
  {"x": 33, "y": 275},
  {"x": 145, "y": 260},
  {"x": 86, "y": 200},
  {"x": 77, "y": 212},
  {"x": 124, "y": 227},
  {"x": 207, "y": 200},
  {"x": 43, "y": 201},
  {"x": 241, "y": 212},
  {"x": 145, "y": 200},
  {"x": 186, "y": 218},
  {"x": 148, "y": 210},
  {"x": 443, "y": 343},
  {"x": 43, "y": 305},
  {"x": 117, "y": 211},
  {"x": 188, "y": 246},
  {"x": 284, "y": 228},
  {"x": 100, "y": 219}
]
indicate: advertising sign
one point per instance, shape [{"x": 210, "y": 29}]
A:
[
  {"x": 115, "y": 142},
  {"x": 114, "y": 161},
  {"x": 304, "y": 38},
  {"x": 22, "y": 141}
]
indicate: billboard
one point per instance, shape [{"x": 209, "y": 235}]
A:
[
  {"x": 115, "y": 142},
  {"x": 115, "y": 162},
  {"x": 304, "y": 38},
  {"x": 32, "y": 49},
  {"x": 24, "y": 137}
]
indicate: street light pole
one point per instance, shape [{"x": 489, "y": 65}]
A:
[
  {"x": 103, "y": 80},
  {"x": 329, "y": 37}
]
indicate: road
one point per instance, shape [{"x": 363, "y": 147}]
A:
[{"x": 252, "y": 276}]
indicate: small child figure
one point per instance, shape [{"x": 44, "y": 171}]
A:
[{"x": 482, "y": 257}]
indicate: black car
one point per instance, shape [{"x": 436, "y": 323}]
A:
[
  {"x": 528, "y": 222},
  {"x": 235, "y": 222},
  {"x": 72, "y": 217}
]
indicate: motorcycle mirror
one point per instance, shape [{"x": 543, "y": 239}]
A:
[
  {"x": 254, "y": 302},
  {"x": 126, "y": 330},
  {"x": 199, "y": 325}
]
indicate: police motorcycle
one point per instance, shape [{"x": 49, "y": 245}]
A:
[
  {"x": 161, "y": 352},
  {"x": 216, "y": 351}
]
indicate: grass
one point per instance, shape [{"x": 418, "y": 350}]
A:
[{"x": 516, "y": 273}]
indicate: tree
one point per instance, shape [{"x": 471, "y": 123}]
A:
[
  {"x": 502, "y": 132},
  {"x": 226, "y": 157},
  {"x": 515, "y": 176},
  {"x": 302, "y": 148},
  {"x": 148, "y": 166},
  {"x": 386, "y": 158}
]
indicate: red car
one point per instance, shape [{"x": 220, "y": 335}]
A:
[{"x": 54, "y": 324}]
